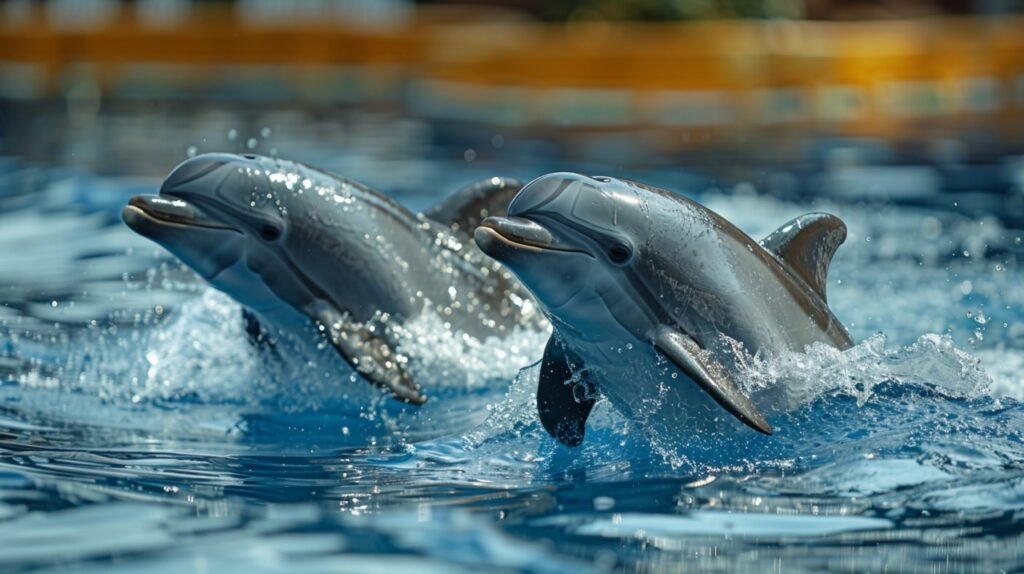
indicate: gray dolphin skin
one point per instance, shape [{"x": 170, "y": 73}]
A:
[
  {"x": 649, "y": 291},
  {"x": 296, "y": 245}
]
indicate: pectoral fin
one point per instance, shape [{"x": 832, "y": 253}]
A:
[
  {"x": 698, "y": 364},
  {"x": 563, "y": 402},
  {"x": 370, "y": 355}
]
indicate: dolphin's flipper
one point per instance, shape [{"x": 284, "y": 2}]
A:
[
  {"x": 369, "y": 354},
  {"x": 711, "y": 375},
  {"x": 466, "y": 208},
  {"x": 807, "y": 245},
  {"x": 563, "y": 405}
]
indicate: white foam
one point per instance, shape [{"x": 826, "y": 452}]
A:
[
  {"x": 200, "y": 357},
  {"x": 791, "y": 380},
  {"x": 783, "y": 383},
  {"x": 202, "y": 352},
  {"x": 451, "y": 358},
  {"x": 514, "y": 412}
]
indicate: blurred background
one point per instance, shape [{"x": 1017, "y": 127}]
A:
[{"x": 800, "y": 97}]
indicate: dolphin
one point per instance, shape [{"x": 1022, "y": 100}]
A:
[
  {"x": 648, "y": 291},
  {"x": 295, "y": 245}
]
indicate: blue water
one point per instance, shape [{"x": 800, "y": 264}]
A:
[{"x": 139, "y": 430}]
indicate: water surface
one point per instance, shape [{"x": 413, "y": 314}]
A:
[{"x": 139, "y": 429}]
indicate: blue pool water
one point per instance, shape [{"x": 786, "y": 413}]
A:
[{"x": 139, "y": 430}]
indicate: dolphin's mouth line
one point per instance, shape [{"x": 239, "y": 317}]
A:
[
  {"x": 523, "y": 233},
  {"x": 172, "y": 211}
]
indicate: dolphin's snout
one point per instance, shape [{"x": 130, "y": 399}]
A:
[
  {"x": 497, "y": 246},
  {"x": 163, "y": 208},
  {"x": 505, "y": 238},
  {"x": 519, "y": 230},
  {"x": 144, "y": 211}
]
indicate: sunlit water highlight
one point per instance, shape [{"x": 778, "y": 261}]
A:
[{"x": 140, "y": 429}]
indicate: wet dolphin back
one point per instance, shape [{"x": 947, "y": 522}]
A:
[
  {"x": 360, "y": 245},
  {"x": 722, "y": 281}
]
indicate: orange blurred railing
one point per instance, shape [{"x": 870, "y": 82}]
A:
[{"x": 877, "y": 78}]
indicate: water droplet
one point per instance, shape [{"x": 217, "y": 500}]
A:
[
  {"x": 252, "y": 143},
  {"x": 232, "y": 134},
  {"x": 265, "y": 133},
  {"x": 191, "y": 151},
  {"x": 470, "y": 154}
]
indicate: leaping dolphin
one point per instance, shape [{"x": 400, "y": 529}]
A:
[
  {"x": 293, "y": 244},
  {"x": 632, "y": 277}
]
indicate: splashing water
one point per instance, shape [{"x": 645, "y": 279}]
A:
[
  {"x": 793, "y": 380},
  {"x": 139, "y": 428}
]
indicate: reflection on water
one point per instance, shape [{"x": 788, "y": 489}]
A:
[{"x": 139, "y": 429}]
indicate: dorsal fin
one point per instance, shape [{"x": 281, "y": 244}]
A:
[
  {"x": 466, "y": 208},
  {"x": 806, "y": 244}
]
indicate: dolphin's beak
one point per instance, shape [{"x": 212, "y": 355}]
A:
[
  {"x": 518, "y": 230},
  {"x": 146, "y": 210},
  {"x": 506, "y": 239},
  {"x": 501, "y": 237}
]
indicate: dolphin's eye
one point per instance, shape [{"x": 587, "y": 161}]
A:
[
  {"x": 620, "y": 253},
  {"x": 270, "y": 232}
]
